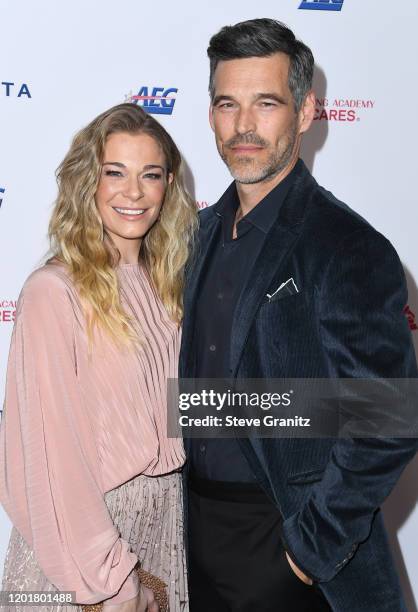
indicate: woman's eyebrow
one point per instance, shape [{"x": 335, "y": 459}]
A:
[
  {"x": 120, "y": 165},
  {"x": 150, "y": 166}
]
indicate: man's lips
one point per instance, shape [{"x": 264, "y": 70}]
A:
[{"x": 246, "y": 149}]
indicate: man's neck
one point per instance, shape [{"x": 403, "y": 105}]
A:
[{"x": 250, "y": 195}]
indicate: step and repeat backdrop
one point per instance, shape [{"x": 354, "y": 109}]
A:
[{"x": 62, "y": 63}]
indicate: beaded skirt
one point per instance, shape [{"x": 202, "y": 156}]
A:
[{"x": 148, "y": 514}]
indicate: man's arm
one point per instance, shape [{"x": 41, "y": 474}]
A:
[{"x": 365, "y": 335}]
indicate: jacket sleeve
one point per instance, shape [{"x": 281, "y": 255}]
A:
[
  {"x": 49, "y": 467},
  {"x": 365, "y": 334}
]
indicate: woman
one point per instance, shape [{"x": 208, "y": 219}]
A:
[{"x": 88, "y": 475}]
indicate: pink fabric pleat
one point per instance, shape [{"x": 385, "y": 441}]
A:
[{"x": 78, "y": 424}]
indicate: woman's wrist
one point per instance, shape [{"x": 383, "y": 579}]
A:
[{"x": 129, "y": 589}]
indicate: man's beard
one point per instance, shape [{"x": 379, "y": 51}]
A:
[{"x": 246, "y": 170}]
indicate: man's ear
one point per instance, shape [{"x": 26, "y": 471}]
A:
[
  {"x": 211, "y": 122},
  {"x": 307, "y": 112}
]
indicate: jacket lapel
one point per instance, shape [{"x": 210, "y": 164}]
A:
[
  {"x": 205, "y": 242},
  {"x": 277, "y": 246}
]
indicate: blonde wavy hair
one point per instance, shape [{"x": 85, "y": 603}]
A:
[{"x": 79, "y": 240}]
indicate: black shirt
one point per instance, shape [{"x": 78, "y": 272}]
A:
[{"x": 227, "y": 269}]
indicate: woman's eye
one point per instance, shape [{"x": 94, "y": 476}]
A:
[
  {"x": 154, "y": 176},
  {"x": 113, "y": 173}
]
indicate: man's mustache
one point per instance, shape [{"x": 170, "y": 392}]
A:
[{"x": 247, "y": 139}]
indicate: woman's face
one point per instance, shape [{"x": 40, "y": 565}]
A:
[{"x": 131, "y": 189}]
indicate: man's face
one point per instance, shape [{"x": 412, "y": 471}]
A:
[{"x": 253, "y": 116}]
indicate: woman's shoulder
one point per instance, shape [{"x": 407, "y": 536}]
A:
[{"x": 49, "y": 281}]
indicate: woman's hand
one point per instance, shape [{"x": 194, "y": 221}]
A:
[
  {"x": 147, "y": 599},
  {"x": 143, "y": 602}
]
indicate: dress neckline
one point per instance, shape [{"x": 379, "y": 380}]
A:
[{"x": 129, "y": 265}]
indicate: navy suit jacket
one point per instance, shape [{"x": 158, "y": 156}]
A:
[{"x": 346, "y": 321}]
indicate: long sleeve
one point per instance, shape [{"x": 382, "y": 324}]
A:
[
  {"x": 49, "y": 466},
  {"x": 365, "y": 335}
]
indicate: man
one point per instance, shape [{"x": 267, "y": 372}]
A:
[{"x": 287, "y": 282}]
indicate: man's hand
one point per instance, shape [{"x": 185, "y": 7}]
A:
[{"x": 298, "y": 572}]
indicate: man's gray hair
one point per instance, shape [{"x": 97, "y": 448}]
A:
[{"x": 262, "y": 38}]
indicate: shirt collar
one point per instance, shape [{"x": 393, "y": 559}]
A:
[{"x": 264, "y": 214}]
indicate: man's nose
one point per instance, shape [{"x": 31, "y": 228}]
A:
[{"x": 245, "y": 121}]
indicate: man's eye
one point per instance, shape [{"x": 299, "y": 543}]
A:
[
  {"x": 225, "y": 105},
  {"x": 268, "y": 104}
]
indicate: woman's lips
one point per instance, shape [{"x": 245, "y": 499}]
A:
[{"x": 129, "y": 213}]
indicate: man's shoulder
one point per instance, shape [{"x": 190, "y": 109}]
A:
[
  {"x": 347, "y": 251},
  {"x": 330, "y": 227},
  {"x": 330, "y": 210},
  {"x": 331, "y": 222}
]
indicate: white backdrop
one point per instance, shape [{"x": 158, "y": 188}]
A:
[{"x": 62, "y": 63}]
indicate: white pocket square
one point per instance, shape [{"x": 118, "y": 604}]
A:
[{"x": 289, "y": 287}]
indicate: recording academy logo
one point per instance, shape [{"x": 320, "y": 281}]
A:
[
  {"x": 2, "y": 190},
  {"x": 347, "y": 110},
  {"x": 322, "y": 5},
  {"x": 411, "y": 318},
  {"x": 154, "y": 100},
  {"x": 7, "y": 311},
  {"x": 9, "y": 89}
]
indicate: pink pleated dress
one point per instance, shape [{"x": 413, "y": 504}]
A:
[{"x": 88, "y": 475}]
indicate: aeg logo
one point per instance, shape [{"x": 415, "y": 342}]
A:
[
  {"x": 322, "y": 5},
  {"x": 155, "y": 100}
]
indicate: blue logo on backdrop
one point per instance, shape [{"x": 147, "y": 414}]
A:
[
  {"x": 155, "y": 100},
  {"x": 322, "y": 5},
  {"x": 15, "y": 90},
  {"x": 2, "y": 190}
]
